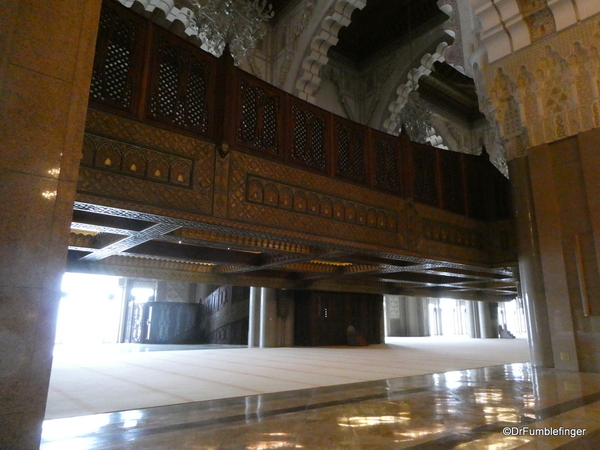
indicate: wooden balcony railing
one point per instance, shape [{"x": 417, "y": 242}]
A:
[{"x": 147, "y": 73}]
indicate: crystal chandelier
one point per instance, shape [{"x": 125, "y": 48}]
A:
[
  {"x": 416, "y": 117},
  {"x": 237, "y": 23}
]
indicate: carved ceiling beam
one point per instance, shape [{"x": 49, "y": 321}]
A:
[
  {"x": 360, "y": 270},
  {"x": 469, "y": 276},
  {"x": 79, "y": 226},
  {"x": 82, "y": 242},
  {"x": 131, "y": 241},
  {"x": 267, "y": 262},
  {"x": 193, "y": 253},
  {"x": 125, "y": 224},
  {"x": 238, "y": 242},
  {"x": 90, "y": 242}
]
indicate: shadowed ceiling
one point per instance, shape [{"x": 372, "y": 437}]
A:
[{"x": 383, "y": 24}]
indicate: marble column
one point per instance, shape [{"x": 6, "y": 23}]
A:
[
  {"x": 285, "y": 319},
  {"x": 254, "y": 317},
  {"x": 530, "y": 265},
  {"x": 268, "y": 318},
  {"x": 46, "y": 56},
  {"x": 125, "y": 328},
  {"x": 425, "y": 319},
  {"x": 486, "y": 326},
  {"x": 414, "y": 312},
  {"x": 473, "y": 318},
  {"x": 382, "y": 322},
  {"x": 395, "y": 317}
]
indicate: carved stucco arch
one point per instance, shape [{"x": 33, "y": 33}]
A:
[
  {"x": 391, "y": 124},
  {"x": 165, "y": 13},
  {"x": 338, "y": 16}
]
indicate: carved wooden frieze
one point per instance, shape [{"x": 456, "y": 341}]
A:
[
  {"x": 221, "y": 177},
  {"x": 317, "y": 204},
  {"x": 135, "y": 161},
  {"x": 126, "y": 130},
  {"x": 451, "y": 234},
  {"x": 124, "y": 159},
  {"x": 265, "y": 192}
]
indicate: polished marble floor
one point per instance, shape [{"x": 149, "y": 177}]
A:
[
  {"x": 466, "y": 409},
  {"x": 93, "y": 380}
]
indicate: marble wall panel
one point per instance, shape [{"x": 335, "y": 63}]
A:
[
  {"x": 45, "y": 71},
  {"x": 547, "y": 210}
]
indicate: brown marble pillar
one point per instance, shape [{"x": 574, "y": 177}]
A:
[
  {"x": 530, "y": 266},
  {"x": 46, "y": 55}
]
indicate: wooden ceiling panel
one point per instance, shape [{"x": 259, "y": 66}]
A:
[{"x": 149, "y": 245}]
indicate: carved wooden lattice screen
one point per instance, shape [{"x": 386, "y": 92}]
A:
[
  {"x": 387, "y": 155},
  {"x": 309, "y": 132},
  {"x": 180, "y": 85},
  {"x": 425, "y": 184},
  {"x": 349, "y": 144},
  {"x": 179, "y": 81},
  {"x": 452, "y": 181},
  {"x": 116, "y": 76},
  {"x": 259, "y": 121},
  {"x": 476, "y": 187}
]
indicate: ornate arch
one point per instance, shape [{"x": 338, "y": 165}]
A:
[
  {"x": 165, "y": 13},
  {"x": 391, "y": 124},
  {"x": 442, "y": 52},
  {"x": 338, "y": 16}
]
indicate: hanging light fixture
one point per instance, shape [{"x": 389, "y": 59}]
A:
[
  {"x": 240, "y": 24},
  {"x": 415, "y": 116}
]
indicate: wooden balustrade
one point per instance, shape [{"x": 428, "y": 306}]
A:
[{"x": 144, "y": 72}]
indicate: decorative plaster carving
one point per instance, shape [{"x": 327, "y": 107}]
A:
[
  {"x": 378, "y": 78},
  {"x": 454, "y": 55},
  {"x": 254, "y": 68},
  {"x": 337, "y": 17},
  {"x": 548, "y": 91},
  {"x": 299, "y": 26},
  {"x": 392, "y": 124},
  {"x": 284, "y": 68},
  {"x": 166, "y": 14},
  {"x": 538, "y": 17},
  {"x": 341, "y": 78}
]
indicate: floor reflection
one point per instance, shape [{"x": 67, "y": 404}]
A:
[{"x": 468, "y": 409}]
